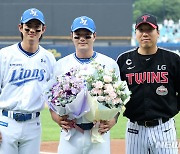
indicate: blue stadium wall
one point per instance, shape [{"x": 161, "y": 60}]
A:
[{"x": 111, "y": 51}]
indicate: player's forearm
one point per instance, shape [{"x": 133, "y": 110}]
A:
[{"x": 62, "y": 121}]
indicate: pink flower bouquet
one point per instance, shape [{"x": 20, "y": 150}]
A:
[{"x": 106, "y": 96}]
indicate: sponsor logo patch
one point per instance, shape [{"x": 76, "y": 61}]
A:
[
  {"x": 129, "y": 62},
  {"x": 134, "y": 131}
]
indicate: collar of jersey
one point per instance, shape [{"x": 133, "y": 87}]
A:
[
  {"x": 25, "y": 52},
  {"x": 86, "y": 60}
]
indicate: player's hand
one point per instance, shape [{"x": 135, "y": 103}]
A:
[
  {"x": 106, "y": 125},
  {"x": 62, "y": 121}
]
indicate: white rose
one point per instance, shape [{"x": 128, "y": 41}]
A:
[
  {"x": 107, "y": 78},
  {"x": 101, "y": 98}
]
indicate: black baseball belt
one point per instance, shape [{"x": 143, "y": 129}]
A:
[
  {"x": 150, "y": 123},
  {"x": 86, "y": 126}
]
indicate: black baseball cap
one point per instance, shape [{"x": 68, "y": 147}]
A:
[{"x": 148, "y": 19}]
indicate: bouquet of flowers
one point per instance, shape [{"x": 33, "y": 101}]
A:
[
  {"x": 67, "y": 96},
  {"x": 106, "y": 96}
]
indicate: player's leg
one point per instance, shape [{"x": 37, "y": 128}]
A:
[
  {"x": 9, "y": 129},
  {"x": 163, "y": 138},
  {"x": 136, "y": 139},
  {"x": 72, "y": 146},
  {"x": 81, "y": 143},
  {"x": 31, "y": 137},
  {"x": 103, "y": 148}
]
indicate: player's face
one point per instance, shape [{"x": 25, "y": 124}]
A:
[
  {"x": 147, "y": 36},
  {"x": 32, "y": 30},
  {"x": 83, "y": 40}
]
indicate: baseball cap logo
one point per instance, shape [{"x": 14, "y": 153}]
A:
[
  {"x": 83, "y": 21},
  {"x": 148, "y": 19},
  {"x": 33, "y": 12},
  {"x": 145, "y": 17}
]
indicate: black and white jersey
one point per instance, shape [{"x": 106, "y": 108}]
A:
[{"x": 154, "y": 81}]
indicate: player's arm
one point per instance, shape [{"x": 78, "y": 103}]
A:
[
  {"x": 0, "y": 138},
  {"x": 0, "y": 86},
  {"x": 178, "y": 93},
  {"x": 1, "y": 70},
  {"x": 62, "y": 121},
  {"x": 177, "y": 81},
  {"x": 106, "y": 125}
]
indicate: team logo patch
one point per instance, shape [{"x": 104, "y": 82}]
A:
[
  {"x": 43, "y": 60},
  {"x": 33, "y": 12},
  {"x": 83, "y": 21},
  {"x": 161, "y": 91}
]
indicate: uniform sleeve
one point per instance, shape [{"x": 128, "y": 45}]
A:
[
  {"x": 53, "y": 67},
  {"x": 52, "y": 62},
  {"x": 177, "y": 79},
  {"x": 117, "y": 71},
  {"x": 58, "y": 68},
  {"x": 1, "y": 69},
  {"x": 118, "y": 60}
]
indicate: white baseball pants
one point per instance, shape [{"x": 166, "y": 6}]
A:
[
  {"x": 20, "y": 137},
  {"x": 81, "y": 144},
  {"x": 160, "y": 139}
]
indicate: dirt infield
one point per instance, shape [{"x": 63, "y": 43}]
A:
[{"x": 117, "y": 147}]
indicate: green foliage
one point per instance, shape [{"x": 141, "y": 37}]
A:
[
  {"x": 51, "y": 131},
  {"x": 161, "y": 8}
]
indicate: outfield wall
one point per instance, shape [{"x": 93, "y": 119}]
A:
[{"x": 112, "y": 17}]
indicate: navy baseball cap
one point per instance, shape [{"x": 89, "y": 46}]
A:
[
  {"x": 32, "y": 13},
  {"x": 83, "y": 22},
  {"x": 148, "y": 19}
]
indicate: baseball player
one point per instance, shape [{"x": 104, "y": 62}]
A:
[
  {"x": 24, "y": 68},
  {"x": 152, "y": 74},
  {"x": 83, "y": 36}
]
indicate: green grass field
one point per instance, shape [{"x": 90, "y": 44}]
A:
[{"x": 51, "y": 131}]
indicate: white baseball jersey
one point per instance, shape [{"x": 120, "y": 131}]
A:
[
  {"x": 22, "y": 78},
  {"x": 65, "y": 64},
  {"x": 74, "y": 145}
]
